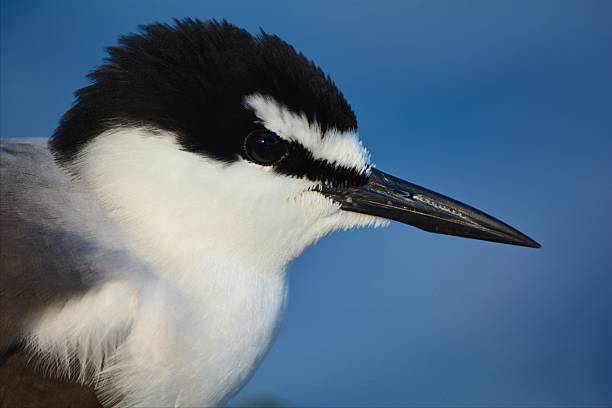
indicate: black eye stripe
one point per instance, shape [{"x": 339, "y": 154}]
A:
[{"x": 299, "y": 162}]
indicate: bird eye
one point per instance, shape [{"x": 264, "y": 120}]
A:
[{"x": 264, "y": 147}]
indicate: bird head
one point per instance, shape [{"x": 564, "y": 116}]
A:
[{"x": 201, "y": 133}]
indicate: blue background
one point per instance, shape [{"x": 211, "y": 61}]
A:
[{"x": 506, "y": 105}]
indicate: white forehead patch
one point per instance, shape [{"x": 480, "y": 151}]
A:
[{"x": 341, "y": 148}]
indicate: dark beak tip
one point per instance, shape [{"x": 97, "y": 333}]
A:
[
  {"x": 514, "y": 237},
  {"x": 518, "y": 238},
  {"x": 533, "y": 244},
  {"x": 522, "y": 240}
]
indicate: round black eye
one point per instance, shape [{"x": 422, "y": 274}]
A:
[{"x": 264, "y": 147}]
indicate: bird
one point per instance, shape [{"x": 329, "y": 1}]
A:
[{"x": 145, "y": 244}]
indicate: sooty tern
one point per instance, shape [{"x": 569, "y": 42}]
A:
[{"x": 144, "y": 247}]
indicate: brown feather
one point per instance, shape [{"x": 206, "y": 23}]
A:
[{"x": 22, "y": 385}]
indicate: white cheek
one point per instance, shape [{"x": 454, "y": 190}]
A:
[
  {"x": 325, "y": 217},
  {"x": 171, "y": 203}
]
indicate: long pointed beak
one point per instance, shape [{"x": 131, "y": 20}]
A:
[{"x": 395, "y": 199}]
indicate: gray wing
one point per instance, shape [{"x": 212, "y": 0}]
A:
[{"x": 45, "y": 258}]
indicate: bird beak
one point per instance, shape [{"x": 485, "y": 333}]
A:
[{"x": 398, "y": 200}]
